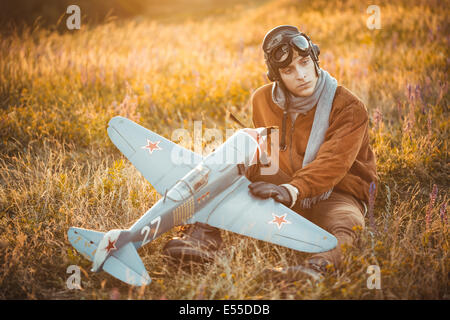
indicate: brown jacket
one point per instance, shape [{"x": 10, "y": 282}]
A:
[{"x": 344, "y": 161}]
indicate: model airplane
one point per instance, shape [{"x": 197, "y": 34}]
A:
[{"x": 211, "y": 190}]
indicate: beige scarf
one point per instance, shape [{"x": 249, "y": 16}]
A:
[{"x": 322, "y": 96}]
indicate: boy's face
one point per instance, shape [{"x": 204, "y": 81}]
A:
[{"x": 300, "y": 76}]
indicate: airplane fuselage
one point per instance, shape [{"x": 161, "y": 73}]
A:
[{"x": 167, "y": 213}]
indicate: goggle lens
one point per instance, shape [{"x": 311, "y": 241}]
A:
[
  {"x": 301, "y": 43},
  {"x": 281, "y": 53}
]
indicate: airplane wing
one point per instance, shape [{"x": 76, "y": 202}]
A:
[
  {"x": 161, "y": 161},
  {"x": 264, "y": 219}
]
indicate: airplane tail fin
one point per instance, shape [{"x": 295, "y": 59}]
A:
[
  {"x": 126, "y": 265},
  {"x": 85, "y": 241},
  {"x": 123, "y": 264}
]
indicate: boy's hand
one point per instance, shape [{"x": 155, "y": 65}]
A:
[{"x": 266, "y": 190}]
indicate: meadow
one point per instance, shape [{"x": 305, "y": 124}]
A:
[{"x": 58, "y": 168}]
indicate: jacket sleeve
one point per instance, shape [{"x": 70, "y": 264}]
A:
[
  {"x": 254, "y": 170},
  {"x": 337, "y": 153}
]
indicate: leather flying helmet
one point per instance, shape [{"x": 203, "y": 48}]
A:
[{"x": 278, "y": 46}]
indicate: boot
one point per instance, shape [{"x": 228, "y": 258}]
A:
[{"x": 198, "y": 244}]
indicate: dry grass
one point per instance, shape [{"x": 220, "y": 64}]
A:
[{"x": 58, "y": 168}]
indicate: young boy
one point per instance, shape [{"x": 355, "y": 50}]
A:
[{"x": 326, "y": 164}]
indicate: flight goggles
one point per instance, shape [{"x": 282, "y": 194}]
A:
[{"x": 280, "y": 56}]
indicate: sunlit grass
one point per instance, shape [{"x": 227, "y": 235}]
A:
[{"x": 58, "y": 168}]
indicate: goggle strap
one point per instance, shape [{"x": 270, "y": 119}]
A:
[{"x": 283, "y": 131}]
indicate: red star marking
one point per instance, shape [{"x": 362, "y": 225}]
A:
[
  {"x": 111, "y": 246},
  {"x": 279, "y": 220},
  {"x": 152, "y": 146}
]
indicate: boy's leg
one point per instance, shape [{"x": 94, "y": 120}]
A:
[{"x": 338, "y": 214}]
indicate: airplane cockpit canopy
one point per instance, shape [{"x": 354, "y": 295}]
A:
[{"x": 190, "y": 183}]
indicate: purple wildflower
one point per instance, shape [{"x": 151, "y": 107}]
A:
[
  {"x": 442, "y": 91},
  {"x": 410, "y": 95},
  {"x": 407, "y": 126},
  {"x": 377, "y": 117},
  {"x": 443, "y": 213},
  {"x": 371, "y": 204},
  {"x": 433, "y": 195},
  {"x": 418, "y": 94},
  {"x": 399, "y": 110},
  {"x": 114, "y": 294},
  {"x": 429, "y": 126}
]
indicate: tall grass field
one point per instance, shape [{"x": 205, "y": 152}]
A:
[{"x": 58, "y": 168}]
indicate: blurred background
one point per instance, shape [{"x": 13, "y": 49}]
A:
[{"x": 48, "y": 12}]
